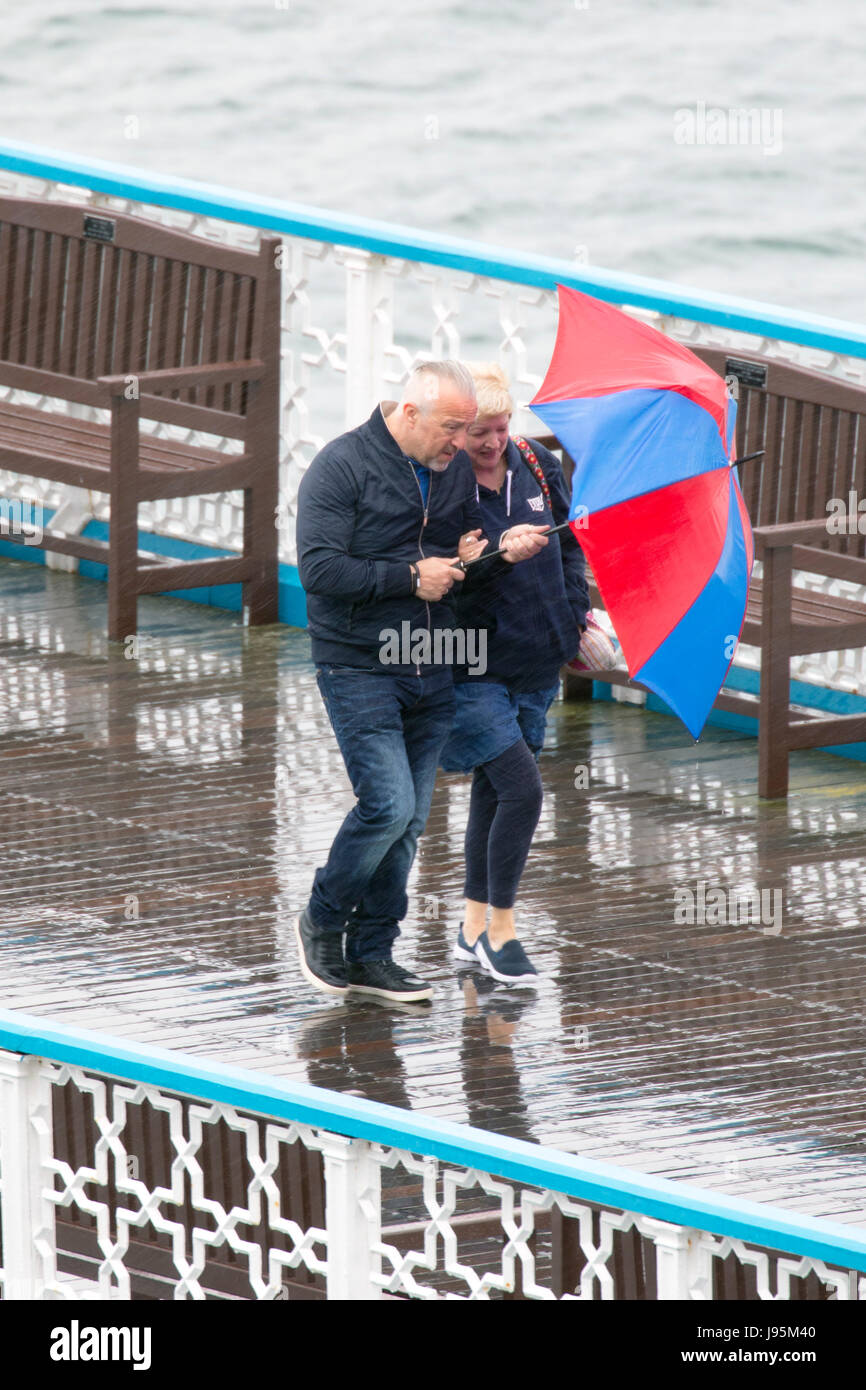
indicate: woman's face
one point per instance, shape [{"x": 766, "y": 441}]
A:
[{"x": 486, "y": 439}]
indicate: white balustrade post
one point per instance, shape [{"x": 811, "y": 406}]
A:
[
  {"x": 683, "y": 1263},
  {"x": 369, "y": 316},
  {"x": 71, "y": 517},
  {"x": 353, "y": 1196},
  {"x": 29, "y": 1247}
]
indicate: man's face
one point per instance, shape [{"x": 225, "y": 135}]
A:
[{"x": 436, "y": 434}]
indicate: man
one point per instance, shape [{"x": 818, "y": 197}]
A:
[{"x": 382, "y": 522}]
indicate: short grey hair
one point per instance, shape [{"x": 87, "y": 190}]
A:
[{"x": 425, "y": 382}]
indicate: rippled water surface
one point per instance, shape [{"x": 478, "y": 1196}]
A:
[{"x": 552, "y": 127}]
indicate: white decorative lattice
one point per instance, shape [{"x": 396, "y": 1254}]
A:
[
  {"x": 439, "y": 1271},
  {"x": 160, "y": 1207},
  {"x": 840, "y": 1284},
  {"x": 380, "y": 1194}
]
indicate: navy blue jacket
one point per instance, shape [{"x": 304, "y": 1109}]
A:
[
  {"x": 534, "y": 610},
  {"x": 361, "y": 521}
]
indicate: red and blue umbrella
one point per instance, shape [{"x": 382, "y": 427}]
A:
[{"x": 656, "y": 501}]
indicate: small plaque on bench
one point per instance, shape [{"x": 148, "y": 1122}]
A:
[
  {"x": 747, "y": 373},
  {"x": 98, "y": 228}
]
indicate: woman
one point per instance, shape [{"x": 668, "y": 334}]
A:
[{"x": 533, "y": 616}]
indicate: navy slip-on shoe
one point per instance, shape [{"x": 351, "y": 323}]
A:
[
  {"x": 510, "y": 963},
  {"x": 461, "y": 949}
]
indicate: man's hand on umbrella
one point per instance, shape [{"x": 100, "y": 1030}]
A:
[
  {"x": 435, "y": 577},
  {"x": 522, "y": 542}
]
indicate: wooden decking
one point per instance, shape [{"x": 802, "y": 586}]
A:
[{"x": 163, "y": 814}]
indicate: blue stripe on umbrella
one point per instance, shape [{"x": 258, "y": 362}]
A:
[{"x": 632, "y": 442}]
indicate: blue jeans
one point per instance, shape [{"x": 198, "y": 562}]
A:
[{"x": 390, "y": 730}]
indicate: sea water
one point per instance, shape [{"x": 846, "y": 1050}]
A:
[{"x": 716, "y": 145}]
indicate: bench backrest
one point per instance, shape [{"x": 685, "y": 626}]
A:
[
  {"x": 87, "y": 292},
  {"x": 813, "y": 431}
]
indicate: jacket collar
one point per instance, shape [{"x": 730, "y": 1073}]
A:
[{"x": 382, "y": 435}]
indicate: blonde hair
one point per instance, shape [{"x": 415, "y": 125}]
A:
[{"x": 492, "y": 390}]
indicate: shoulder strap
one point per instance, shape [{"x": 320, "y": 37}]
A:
[{"x": 531, "y": 460}]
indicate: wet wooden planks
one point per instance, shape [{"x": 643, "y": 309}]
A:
[{"x": 162, "y": 818}]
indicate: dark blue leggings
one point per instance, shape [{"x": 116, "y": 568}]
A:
[{"x": 504, "y": 808}]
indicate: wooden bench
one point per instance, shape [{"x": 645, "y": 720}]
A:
[
  {"x": 813, "y": 431},
  {"x": 107, "y": 310}
]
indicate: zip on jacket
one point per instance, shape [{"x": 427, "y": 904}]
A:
[
  {"x": 534, "y": 615},
  {"x": 361, "y": 523}
]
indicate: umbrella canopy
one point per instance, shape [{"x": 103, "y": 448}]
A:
[{"x": 656, "y": 501}]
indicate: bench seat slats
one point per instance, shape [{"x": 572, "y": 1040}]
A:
[{"x": 63, "y": 438}]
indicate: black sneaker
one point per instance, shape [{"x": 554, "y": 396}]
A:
[
  {"x": 387, "y": 980},
  {"x": 321, "y": 954}
]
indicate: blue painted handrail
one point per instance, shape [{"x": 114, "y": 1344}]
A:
[
  {"x": 583, "y": 1178},
  {"x": 390, "y": 239}
]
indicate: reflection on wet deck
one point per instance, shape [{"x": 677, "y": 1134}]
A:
[{"x": 163, "y": 814}]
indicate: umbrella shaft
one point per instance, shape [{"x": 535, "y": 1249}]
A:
[{"x": 489, "y": 554}]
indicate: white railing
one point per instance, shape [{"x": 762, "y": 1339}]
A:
[
  {"x": 116, "y": 1173},
  {"x": 362, "y": 301}
]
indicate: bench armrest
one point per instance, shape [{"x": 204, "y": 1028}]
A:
[
  {"x": 181, "y": 378},
  {"x": 831, "y": 564},
  {"x": 790, "y": 533}
]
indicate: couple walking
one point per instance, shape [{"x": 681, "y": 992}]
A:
[{"x": 385, "y": 513}]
